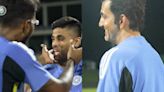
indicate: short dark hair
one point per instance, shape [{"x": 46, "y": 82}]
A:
[
  {"x": 68, "y": 22},
  {"x": 17, "y": 10},
  {"x": 134, "y": 10}
]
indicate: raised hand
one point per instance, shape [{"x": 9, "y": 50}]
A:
[
  {"x": 47, "y": 55},
  {"x": 75, "y": 51}
]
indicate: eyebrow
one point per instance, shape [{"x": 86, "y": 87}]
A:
[{"x": 58, "y": 36}]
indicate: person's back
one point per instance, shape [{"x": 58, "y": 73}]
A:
[
  {"x": 147, "y": 65},
  {"x": 16, "y": 60}
]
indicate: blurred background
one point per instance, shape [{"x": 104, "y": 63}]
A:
[{"x": 87, "y": 11}]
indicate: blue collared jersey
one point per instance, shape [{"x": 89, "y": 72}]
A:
[
  {"x": 18, "y": 64},
  {"x": 56, "y": 70},
  {"x": 131, "y": 66}
]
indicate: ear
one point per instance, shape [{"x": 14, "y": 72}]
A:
[
  {"x": 77, "y": 42},
  {"x": 124, "y": 22}
]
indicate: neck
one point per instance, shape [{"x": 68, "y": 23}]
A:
[
  {"x": 62, "y": 63},
  {"x": 124, "y": 34},
  {"x": 9, "y": 34},
  {"x": 6, "y": 33}
]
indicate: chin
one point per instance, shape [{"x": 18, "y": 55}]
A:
[{"x": 61, "y": 60}]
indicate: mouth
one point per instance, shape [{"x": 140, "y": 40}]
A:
[
  {"x": 56, "y": 53},
  {"x": 106, "y": 34},
  {"x": 105, "y": 31}
]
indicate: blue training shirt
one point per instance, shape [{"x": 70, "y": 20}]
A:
[
  {"x": 131, "y": 66},
  {"x": 56, "y": 70},
  {"x": 18, "y": 64}
]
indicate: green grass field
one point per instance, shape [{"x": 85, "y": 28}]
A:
[
  {"x": 89, "y": 90},
  {"x": 90, "y": 78}
]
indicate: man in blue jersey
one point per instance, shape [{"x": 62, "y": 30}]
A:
[
  {"x": 18, "y": 63},
  {"x": 132, "y": 65},
  {"x": 64, "y": 29}
]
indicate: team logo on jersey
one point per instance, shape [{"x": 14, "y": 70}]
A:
[
  {"x": 77, "y": 80},
  {"x": 105, "y": 62},
  {"x": 3, "y": 10}
]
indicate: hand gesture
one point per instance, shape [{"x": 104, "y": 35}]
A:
[
  {"x": 47, "y": 55},
  {"x": 75, "y": 51}
]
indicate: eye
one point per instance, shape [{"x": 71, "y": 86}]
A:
[
  {"x": 104, "y": 16},
  {"x": 58, "y": 38},
  {"x": 61, "y": 38}
]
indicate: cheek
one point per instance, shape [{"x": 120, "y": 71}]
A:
[
  {"x": 110, "y": 26},
  {"x": 62, "y": 43},
  {"x": 107, "y": 23},
  {"x": 64, "y": 50},
  {"x": 29, "y": 31},
  {"x": 114, "y": 28},
  {"x": 65, "y": 46},
  {"x": 32, "y": 28}
]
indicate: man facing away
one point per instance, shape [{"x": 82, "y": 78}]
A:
[
  {"x": 17, "y": 62},
  {"x": 132, "y": 65}
]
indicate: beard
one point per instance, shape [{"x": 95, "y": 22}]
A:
[
  {"x": 27, "y": 35},
  {"x": 113, "y": 35},
  {"x": 61, "y": 59},
  {"x": 26, "y": 39}
]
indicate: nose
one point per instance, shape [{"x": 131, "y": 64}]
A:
[{"x": 55, "y": 43}]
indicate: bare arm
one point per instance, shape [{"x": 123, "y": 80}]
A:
[{"x": 62, "y": 84}]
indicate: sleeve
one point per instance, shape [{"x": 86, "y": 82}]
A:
[
  {"x": 55, "y": 69},
  {"x": 115, "y": 76},
  {"x": 126, "y": 83},
  {"x": 35, "y": 74},
  {"x": 108, "y": 74}
]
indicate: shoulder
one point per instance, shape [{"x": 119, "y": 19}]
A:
[
  {"x": 21, "y": 49},
  {"x": 120, "y": 53},
  {"x": 108, "y": 54},
  {"x": 126, "y": 53}
]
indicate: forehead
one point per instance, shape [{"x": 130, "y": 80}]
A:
[
  {"x": 62, "y": 31},
  {"x": 105, "y": 7}
]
